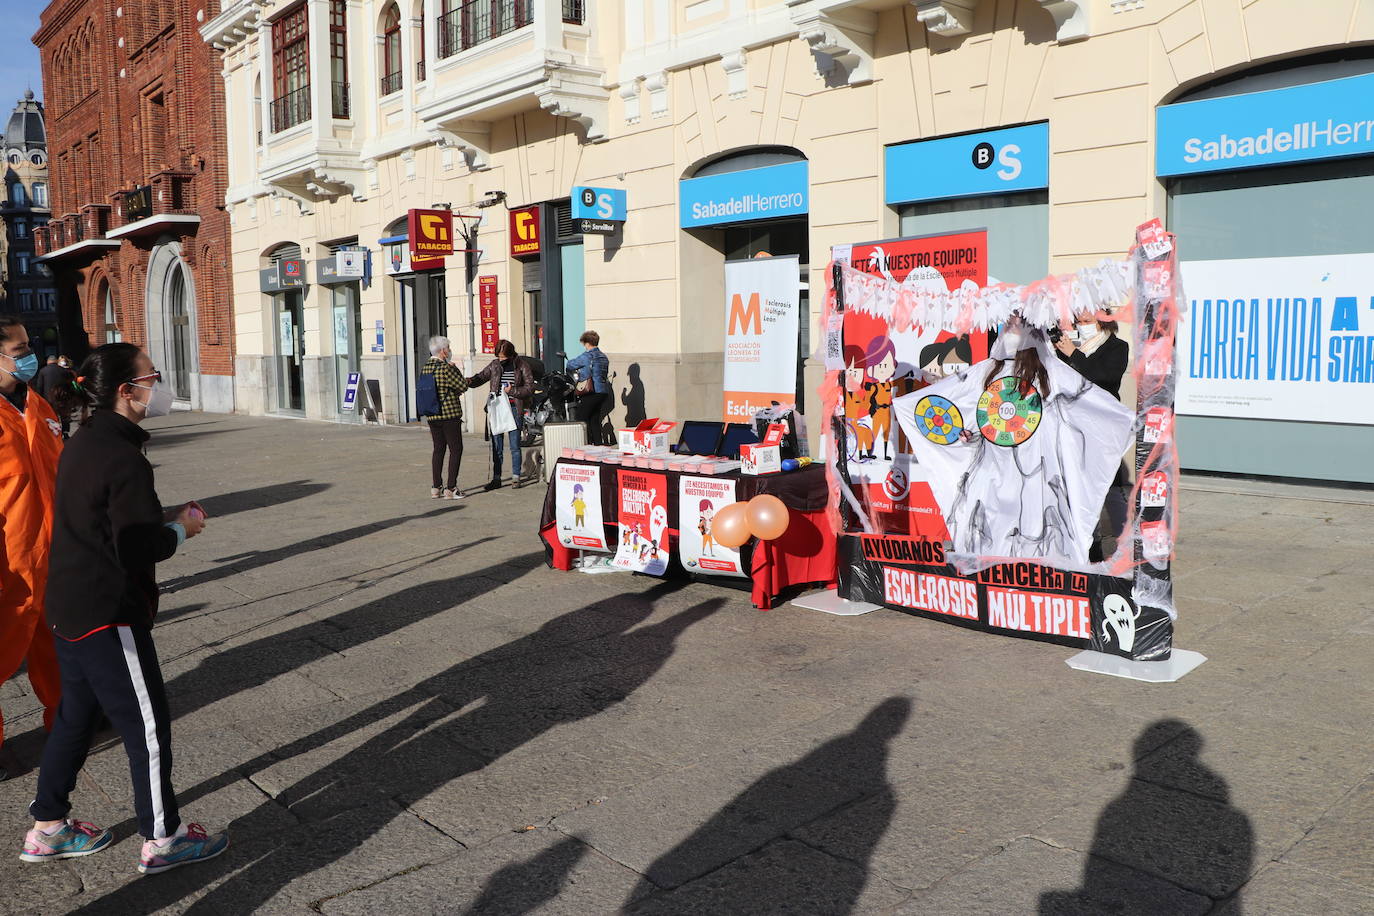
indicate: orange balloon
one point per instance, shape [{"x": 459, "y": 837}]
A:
[
  {"x": 730, "y": 527},
  {"x": 767, "y": 517}
]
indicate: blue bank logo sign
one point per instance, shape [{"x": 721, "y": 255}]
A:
[
  {"x": 969, "y": 165},
  {"x": 751, "y": 194},
  {"x": 1318, "y": 121}
]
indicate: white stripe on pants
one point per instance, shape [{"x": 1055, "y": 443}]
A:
[{"x": 145, "y": 707}]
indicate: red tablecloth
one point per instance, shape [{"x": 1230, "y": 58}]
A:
[{"x": 804, "y": 555}]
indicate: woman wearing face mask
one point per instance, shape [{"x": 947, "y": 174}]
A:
[
  {"x": 1101, "y": 357},
  {"x": 109, "y": 533},
  {"x": 510, "y": 375}
]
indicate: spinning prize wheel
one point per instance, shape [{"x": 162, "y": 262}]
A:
[
  {"x": 1006, "y": 416},
  {"x": 939, "y": 420}
]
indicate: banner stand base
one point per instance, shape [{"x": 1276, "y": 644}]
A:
[
  {"x": 830, "y": 602},
  {"x": 1181, "y": 662}
]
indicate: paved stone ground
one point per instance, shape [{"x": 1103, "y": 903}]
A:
[{"x": 395, "y": 708}]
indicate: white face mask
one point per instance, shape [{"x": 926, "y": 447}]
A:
[
  {"x": 159, "y": 403},
  {"x": 1014, "y": 340},
  {"x": 1087, "y": 331}
]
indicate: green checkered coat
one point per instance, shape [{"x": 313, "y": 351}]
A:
[{"x": 450, "y": 384}]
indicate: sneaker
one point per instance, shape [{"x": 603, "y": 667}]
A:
[
  {"x": 455, "y": 493},
  {"x": 435, "y": 493},
  {"x": 195, "y": 845},
  {"x": 73, "y": 839},
  {"x": 492, "y": 485},
  {"x": 519, "y": 482}
]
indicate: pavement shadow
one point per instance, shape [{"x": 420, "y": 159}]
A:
[
  {"x": 523, "y": 887},
  {"x": 575, "y": 666},
  {"x": 1187, "y": 833},
  {"x": 256, "y": 559},
  {"x": 260, "y": 497},
  {"x": 845, "y": 769},
  {"x": 237, "y": 668}
]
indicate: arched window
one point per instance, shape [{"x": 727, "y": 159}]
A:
[
  {"x": 17, "y": 196},
  {"x": 391, "y": 50},
  {"x": 112, "y": 334}
]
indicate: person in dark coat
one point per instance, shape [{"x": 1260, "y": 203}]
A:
[
  {"x": 509, "y": 374},
  {"x": 1101, "y": 358}
]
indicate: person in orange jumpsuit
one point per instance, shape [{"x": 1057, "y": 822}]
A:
[
  {"x": 857, "y": 402},
  {"x": 881, "y": 360},
  {"x": 30, "y": 444}
]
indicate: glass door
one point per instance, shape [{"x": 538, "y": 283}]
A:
[
  {"x": 179, "y": 321},
  {"x": 290, "y": 351},
  {"x": 348, "y": 335}
]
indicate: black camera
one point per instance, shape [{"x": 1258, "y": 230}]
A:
[{"x": 1056, "y": 334}]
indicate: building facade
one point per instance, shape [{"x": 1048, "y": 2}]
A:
[
  {"x": 28, "y": 283},
  {"x": 138, "y": 244},
  {"x": 735, "y": 128}
]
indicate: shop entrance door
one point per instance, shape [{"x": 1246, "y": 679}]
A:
[
  {"x": 179, "y": 329},
  {"x": 424, "y": 314},
  {"x": 348, "y": 335},
  {"x": 290, "y": 351}
]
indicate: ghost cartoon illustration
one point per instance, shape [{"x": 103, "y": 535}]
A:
[
  {"x": 1121, "y": 617},
  {"x": 658, "y": 522}
]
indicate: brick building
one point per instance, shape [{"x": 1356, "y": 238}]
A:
[{"x": 138, "y": 241}]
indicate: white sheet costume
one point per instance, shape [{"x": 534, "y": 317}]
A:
[{"x": 1039, "y": 499}]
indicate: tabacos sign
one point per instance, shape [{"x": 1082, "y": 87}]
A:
[
  {"x": 1324, "y": 120},
  {"x": 751, "y": 194},
  {"x": 524, "y": 232},
  {"x": 431, "y": 233}
]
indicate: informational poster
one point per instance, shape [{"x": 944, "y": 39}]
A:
[
  {"x": 1279, "y": 339},
  {"x": 884, "y": 356},
  {"x": 699, "y": 499},
  {"x": 762, "y": 301},
  {"x": 643, "y": 497},
  {"x": 577, "y": 491},
  {"x": 489, "y": 317}
]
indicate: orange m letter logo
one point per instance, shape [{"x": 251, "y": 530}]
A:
[
  {"x": 432, "y": 227},
  {"x": 744, "y": 316}
]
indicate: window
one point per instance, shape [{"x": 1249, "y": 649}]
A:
[
  {"x": 291, "y": 69},
  {"x": 112, "y": 334},
  {"x": 40, "y": 193},
  {"x": 17, "y": 196},
  {"x": 338, "y": 55},
  {"x": 21, "y": 228},
  {"x": 46, "y": 302},
  {"x": 26, "y": 300},
  {"x": 420, "y": 49},
  {"x": 21, "y": 261},
  {"x": 466, "y": 23},
  {"x": 391, "y": 50}
]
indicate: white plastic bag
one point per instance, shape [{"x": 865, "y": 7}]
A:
[{"x": 500, "y": 419}]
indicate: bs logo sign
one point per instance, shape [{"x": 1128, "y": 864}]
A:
[{"x": 1008, "y": 157}]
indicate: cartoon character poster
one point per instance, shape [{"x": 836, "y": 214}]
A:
[
  {"x": 643, "y": 545},
  {"x": 699, "y": 499},
  {"x": 885, "y": 355},
  {"x": 578, "y": 504}
]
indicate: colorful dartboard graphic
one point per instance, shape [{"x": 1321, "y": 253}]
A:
[
  {"x": 1006, "y": 416},
  {"x": 939, "y": 420}
]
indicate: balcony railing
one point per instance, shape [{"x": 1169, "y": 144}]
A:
[
  {"x": 291, "y": 109},
  {"x": 391, "y": 83},
  {"x": 419, "y": 71},
  {"x": 575, "y": 11},
  {"x": 471, "y": 23},
  {"x": 340, "y": 100}
]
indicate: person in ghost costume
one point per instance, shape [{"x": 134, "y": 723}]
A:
[{"x": 1039, "y": 446}]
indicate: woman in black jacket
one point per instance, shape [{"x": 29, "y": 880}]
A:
[
  {"x": 1101, "y": 357},
  {"x": 511, "y": 375},
  {"x": 109, "y": 533}
]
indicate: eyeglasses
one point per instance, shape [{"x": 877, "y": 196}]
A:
[{"x": 154, "y": 375}]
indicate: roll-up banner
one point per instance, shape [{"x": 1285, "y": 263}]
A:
[
  {"x": 699, "y": 499},
  {"x": 762, "y": 300},
  {"x": 579, "y": 507}
]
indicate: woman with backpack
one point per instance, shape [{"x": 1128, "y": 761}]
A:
[
  {"x": 439, "y": 400},
  {"x": 593, "y": 385}
]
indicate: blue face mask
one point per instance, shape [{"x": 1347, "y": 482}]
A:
[{"x": 25, "y": 367}]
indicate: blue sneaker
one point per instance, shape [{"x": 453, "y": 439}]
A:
[
  {"x": 195, "y": 845},
  {"x": 73, "y": 839}
]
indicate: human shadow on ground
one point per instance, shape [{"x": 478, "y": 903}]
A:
[
  {"x": 1174, "y": 820},
  {"x": 575, "y": 666},
  {"x": 256, "y": 559},
  {"x": 260, "y": 497},
  {"x": 237, "y": 668},
  {"x": 847, "y": 769},
  {"x": 523, "y": 887}
]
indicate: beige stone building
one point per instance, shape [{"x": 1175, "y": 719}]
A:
[{"x": 345, "y": 114}]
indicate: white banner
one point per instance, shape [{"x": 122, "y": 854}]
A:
[
  {"x": 699, "y": 499},
  {"x": 762, "y": 300},
  {"x": 1279, "y": 339},
  {"x": 577, "y": 498}
]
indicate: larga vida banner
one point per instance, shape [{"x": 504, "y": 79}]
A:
[
  {"x": 762, "y": 299},
  {"x": 1279, "y": 338},
  {"x": 643, "y": 497},
  {"x": 882, "y": 360},
  {"x": 699, "y": 499},
  {"x": 578, "y": 495}
]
